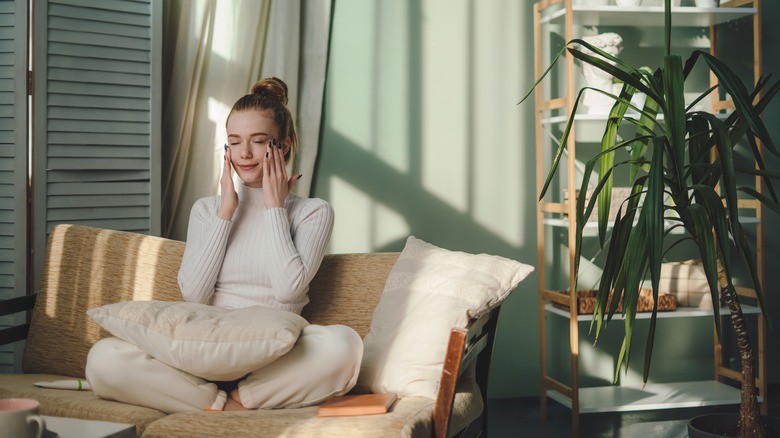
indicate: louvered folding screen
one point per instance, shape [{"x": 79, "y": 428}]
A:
[
  {"x": 13, "y": 162},
  {"x": 96, "y": 150}
]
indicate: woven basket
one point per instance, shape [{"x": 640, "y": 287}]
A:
[{"x": 586, "y": 301}]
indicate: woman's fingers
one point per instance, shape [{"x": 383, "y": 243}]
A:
[
  {"x": 275, "y": 183},
  {"x": 229, "y": 198},
  {"x": 225, "y": 166},
  {"x": 275, "y": 161},
  {"x": 278, "y": 160},
  {"x": 293, "y": 180}
]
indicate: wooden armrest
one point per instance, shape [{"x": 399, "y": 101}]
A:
[
  {"x": 474, "y": 343},
  {"x": 11, "y": 306}
]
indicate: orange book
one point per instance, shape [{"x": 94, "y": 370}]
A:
[{"x": 358, "y": 404}]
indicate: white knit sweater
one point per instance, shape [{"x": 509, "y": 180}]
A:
[{"x": 262, "y": 257}]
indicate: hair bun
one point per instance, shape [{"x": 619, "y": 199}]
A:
[{"x": 272, "y": 86}]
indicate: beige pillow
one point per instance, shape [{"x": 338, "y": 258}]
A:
[
  {"x": 428, "y": 292},
  {"x": 209, "y": 342}
]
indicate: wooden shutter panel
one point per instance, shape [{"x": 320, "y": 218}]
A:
[
  {"x": 96, "y": 143},
  {"x": 13, "y": 164}
]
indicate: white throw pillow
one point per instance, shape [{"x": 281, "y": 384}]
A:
[
  {"x": 209, "y": 342},
  {"x": 428, "y": 292}
]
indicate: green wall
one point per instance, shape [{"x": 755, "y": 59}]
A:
[{"x": 422, "y": 135}]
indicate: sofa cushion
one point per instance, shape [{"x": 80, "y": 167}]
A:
[
  {"x": 210, "y": 342},
  {"x": 347, "y": 288},
  {"x": 89, "y": 267},
  {"x": 75, "y": 404},
  {"x": 429, "y": 291},
  {"x": 410, "y": 417}
]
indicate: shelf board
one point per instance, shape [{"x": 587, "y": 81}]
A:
[
  {"x": 591, "y": 228},
  {"x": 680, "y": 312},
  {"x": 600, "y": 120},
  {"x": 683, "y": 16},
  {"x": 652, "y": 397}
]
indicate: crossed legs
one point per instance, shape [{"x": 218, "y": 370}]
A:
[{"x": 324, "y": 362}]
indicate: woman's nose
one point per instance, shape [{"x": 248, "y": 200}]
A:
[{"x": 246, "y": 150}]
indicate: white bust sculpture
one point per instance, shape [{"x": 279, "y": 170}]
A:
[{"x": 595, "y": 102}]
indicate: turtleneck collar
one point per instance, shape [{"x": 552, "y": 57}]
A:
[{"x": 250, "y": 196}]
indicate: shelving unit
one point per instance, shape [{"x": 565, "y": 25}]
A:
[{"x": 554, "y": 103}]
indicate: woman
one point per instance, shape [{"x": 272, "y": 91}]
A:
[{"x": 258, "y": 245}]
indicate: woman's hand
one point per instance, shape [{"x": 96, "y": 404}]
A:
[
  {"x": 276, "y": 184},
  {"x": 229, "y": 198}
]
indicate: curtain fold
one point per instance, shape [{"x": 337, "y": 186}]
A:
[{"x": 214, "y": 50}]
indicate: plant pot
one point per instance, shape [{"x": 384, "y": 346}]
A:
[
  {"x": 725, "y": 425},
  {"x": 625, "y": 3}
]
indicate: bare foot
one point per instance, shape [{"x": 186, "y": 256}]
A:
[
  {"x": 232, "y": 405},
  {"x": 233, "y": 402}
]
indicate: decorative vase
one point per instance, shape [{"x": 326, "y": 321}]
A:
[
  {"x": 625, "y": 3},
  {"x": 725, "y": 425},
  {"x": 706, "y": 3},
  {"x": 597, "y": 2},
  {"x": 594, "y": 102}
]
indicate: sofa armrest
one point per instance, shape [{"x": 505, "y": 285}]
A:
[
  {"x": 11, "y": 306},
  {"x": 465, "y": 346}
]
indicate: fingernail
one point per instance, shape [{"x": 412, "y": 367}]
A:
[
  {"x": 225, "y": 148},
  {"x": 266, "y": 154}
]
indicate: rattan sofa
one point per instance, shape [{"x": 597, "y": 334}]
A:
[{"x": 88, "y": 267}]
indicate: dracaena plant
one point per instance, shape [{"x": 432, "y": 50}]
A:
[{"x": 688, "y": 157}]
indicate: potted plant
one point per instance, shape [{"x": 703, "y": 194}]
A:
[{"x": 687, "y": 156}]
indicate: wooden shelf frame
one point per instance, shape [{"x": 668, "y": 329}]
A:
[{"x": 584, "y": 400}]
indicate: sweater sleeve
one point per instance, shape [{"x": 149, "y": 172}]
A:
[
  {"x": 207, "y": 237},
  {"x": 296, "y": 250}
]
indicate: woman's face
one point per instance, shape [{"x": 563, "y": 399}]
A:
[{"x": 248, "y": 134}]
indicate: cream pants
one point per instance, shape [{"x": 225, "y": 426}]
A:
[{"x": 324, "y": 362}]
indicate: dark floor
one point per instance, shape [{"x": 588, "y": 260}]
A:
[{"x": 513, "y": 418}]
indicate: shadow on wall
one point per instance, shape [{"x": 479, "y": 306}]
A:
[
  {"x": 434, "y": 219},
  {"x": 421, "y": 124}
]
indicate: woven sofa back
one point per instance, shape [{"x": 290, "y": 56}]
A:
[{"x": 89, "y": 267}]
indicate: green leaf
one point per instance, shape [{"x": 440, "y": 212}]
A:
[
  {"x": 767, "y": 202},
  {"x": 615, "y": 67},
  {"x": 675, "y": 115},
  {"x": 726, "y": 161},
  {"x": 561, "y": 147},
  {"x": 745, "y": 252},
  {"x": 707, "y": 251},
  {"x": 654, "y": 217},
  {"x": 709, "y": 199},
  {"x": 742, "y": 103},
  {"x": 644, "y": 133}
]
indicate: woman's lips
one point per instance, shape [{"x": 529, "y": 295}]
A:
[{"x": 247, "y": 166}]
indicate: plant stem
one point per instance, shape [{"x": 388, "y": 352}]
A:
[{"x": 750, "y": 425}]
